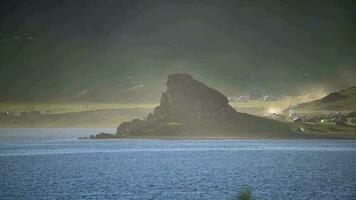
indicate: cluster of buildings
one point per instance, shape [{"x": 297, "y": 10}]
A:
[
  {"x": 254, "y": 95},
  {"x": 23, "y": 113},
  {"x": 250, "y": 98},
  {"x": 6, "y": 113},
  {"x": 340, "y": 118}
]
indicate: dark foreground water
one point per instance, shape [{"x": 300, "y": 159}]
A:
[{"x": 36, "y": 165}]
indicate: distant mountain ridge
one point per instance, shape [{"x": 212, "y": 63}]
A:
[{"x": 53, "y": 50}]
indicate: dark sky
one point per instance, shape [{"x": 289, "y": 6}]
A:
[{"x": 60, "y": 48}]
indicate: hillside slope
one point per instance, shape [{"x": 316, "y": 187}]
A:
[
  {"x": 122, "y": 50},
  {"x": 344, "y": 100}
]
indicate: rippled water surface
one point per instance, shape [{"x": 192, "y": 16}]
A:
[{"x": 52, "y": 164}]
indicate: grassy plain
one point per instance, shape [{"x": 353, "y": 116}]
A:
[
  {"x": 69, "y": 114},
  {"x": 69, "y": 107},
  {"x": 75, "y": 114},
  {"x": 110, "y": 115},
  {"x": 93, "y": 114}
]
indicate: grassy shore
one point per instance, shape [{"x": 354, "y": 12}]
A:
[
  {"x": 69, "y": 107},
  {"x": 110, "y": 115},
  {"x": 252, "y": 107},
  {"x": 89, "y": 114}
]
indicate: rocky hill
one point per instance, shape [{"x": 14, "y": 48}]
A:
[
  {"x": 342, "y": 101},
  {"x": 189, "y": 108}
]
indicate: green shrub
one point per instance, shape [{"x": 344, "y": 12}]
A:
[
  {"x": 168, "y": 128},
  {"x": 244, "y": 194},
  {"x": 172, "y": 124}
]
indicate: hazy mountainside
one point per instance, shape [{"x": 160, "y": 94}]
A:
[
  {"x": 123, "y": 50},
  {"x": 344, "y": 100}
]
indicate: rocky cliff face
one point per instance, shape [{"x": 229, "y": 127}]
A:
[
  {"x": 187, "y": 99},
  {"x": 189, "y": 107}
]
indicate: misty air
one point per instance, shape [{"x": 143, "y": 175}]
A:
[{"x": 178, "y": 99}]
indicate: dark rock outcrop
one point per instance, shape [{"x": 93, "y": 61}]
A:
[
  {"x": 188, "y": 100},
  {"x": 190, "y": 108}
]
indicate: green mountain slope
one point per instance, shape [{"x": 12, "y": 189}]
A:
[
  {"x": 344, "y": 100},
  {"x": 122, "y": 50}
]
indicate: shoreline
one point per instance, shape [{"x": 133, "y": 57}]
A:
[
  {"x": 309, "y": 137},
  {"x": 328, "y": 136},
  {"x": 222, "y": 139}
]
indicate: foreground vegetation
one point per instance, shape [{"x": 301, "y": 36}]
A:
[{"x": 244, "y": 194}]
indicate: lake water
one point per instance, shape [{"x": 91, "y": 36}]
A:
[{"x": 52, "y": 164}]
